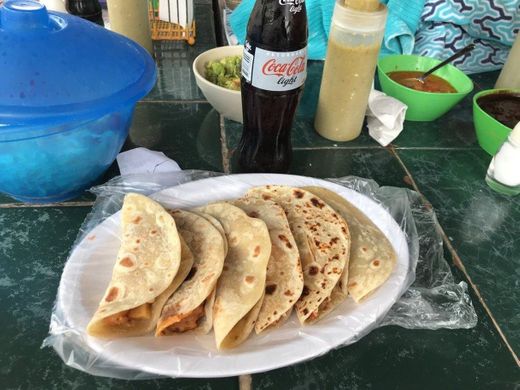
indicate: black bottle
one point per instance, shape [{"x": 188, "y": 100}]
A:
[
  {"x": 274, "y": 69},
  {"x": 86, "y": 9}
]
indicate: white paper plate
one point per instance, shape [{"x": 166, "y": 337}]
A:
[{"x": 88, "y": 272}]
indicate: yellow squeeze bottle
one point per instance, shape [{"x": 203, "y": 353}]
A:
[{"x": 355, "y": 38}]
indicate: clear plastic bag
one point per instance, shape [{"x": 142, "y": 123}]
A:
[{"x": 429, "y": 296}]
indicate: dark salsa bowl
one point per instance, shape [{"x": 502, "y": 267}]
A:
[{"x": 495, "y": 113}]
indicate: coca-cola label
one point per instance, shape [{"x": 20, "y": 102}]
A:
[{"x": 274, "y": 70}]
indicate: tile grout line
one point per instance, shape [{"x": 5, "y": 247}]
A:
[
  {"x": 175, "y": 101},
  {"x": 456, "y": 148},
  {"x": 458, "y": 261},
  {"x": 375, "y": 147},
  {"x": 337, "y": 147},
  {"x": 46, "y": 205},
  {"x": 477, "y": 86},
  {"x": 244, "y": 381},
  {"x": 223, "y": 147}
]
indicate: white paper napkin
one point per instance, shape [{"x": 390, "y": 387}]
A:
[
  {"x": 385, "y": 117},
  {"x": 176, "y": 11},
  {"x": 142, "y": 160}
]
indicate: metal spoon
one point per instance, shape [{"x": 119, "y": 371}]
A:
[{"x": 458, "y": 54}]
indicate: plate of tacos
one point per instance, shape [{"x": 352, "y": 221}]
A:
[{"x": 233, "y": 275}]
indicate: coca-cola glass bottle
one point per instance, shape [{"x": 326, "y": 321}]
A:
[
  {"x": 274, "y": 68},
  {"x": 86, "y": 9}
]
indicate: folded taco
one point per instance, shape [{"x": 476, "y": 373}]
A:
[
  {"x": 217, "y": 225},
  {"x": 372, "y": 257},
  {"x": 323, "y": 241},
  {"x": 284, "y": 280},
  {"x": 190, "y": 307},
  {"x": 144, "y": 274},
  {"x": 241, "y": 285}
]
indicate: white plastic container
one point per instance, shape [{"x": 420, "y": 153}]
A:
[{"x": 503, "y": 174}]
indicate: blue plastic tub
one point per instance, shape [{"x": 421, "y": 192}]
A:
[
  {"x": 68, "y": 89},
  {"x": 58, "y": 163}
]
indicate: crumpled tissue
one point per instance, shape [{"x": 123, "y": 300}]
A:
[
  {"x": 142, "y": 160},
  {"x": 385, "y": 117}
]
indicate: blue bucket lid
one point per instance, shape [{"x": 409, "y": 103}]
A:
[{"x": 58, "y": 67}]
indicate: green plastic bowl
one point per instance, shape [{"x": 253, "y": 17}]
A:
[
  {"x": 491, "y": 134},
  {"x": 423, "y": 106}
]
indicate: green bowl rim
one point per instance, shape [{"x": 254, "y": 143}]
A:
[
  {"x": 458, "y": 93},
  {"x": 492, "y": 92}
]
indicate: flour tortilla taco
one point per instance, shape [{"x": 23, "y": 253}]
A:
[
  {"x": 372, "y": 257},
  {"x": 191, "y": 305},
  {"x": 242, "y": 282},
  {"x": 323, "y": 241},
  {"x": 144, "y": 274},
  {"x": 217, "y": 225},
  {"x": 284, "y": 280}
]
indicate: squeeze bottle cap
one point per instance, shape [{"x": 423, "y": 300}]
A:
[{"x": 363, "y": 5}]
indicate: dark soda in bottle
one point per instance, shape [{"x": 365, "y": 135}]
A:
[
  {"x": 274, "y": 68},
  {"x": 86, "y": 9}
]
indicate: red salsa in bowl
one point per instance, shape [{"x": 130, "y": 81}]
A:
[{"x": 432, "y": 83}]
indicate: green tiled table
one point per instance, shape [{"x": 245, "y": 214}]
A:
[{"x": 440, "y": 159}]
